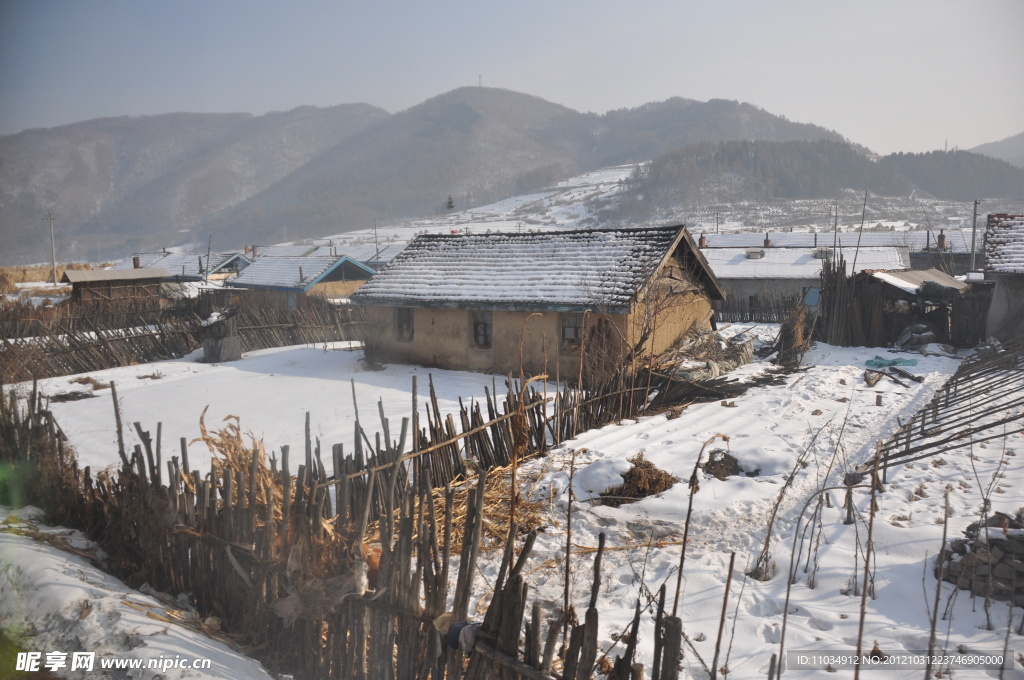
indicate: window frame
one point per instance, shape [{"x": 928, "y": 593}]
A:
[
  {"x": 570, "y": 344},
  {"x": 481, "y": 322},
  {"x": 405, "y": 329}
]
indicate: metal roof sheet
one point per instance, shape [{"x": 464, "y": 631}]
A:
[
  {"x": 90, "y": 275},
  {"x": 911, "y": 280}
]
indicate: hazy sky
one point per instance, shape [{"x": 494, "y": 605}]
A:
[{"x": 894, "y": 75}]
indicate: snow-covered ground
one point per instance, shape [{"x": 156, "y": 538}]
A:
[
  {"x": 270, "y": 391},
  {"x": 563, "y": 206},
  {"x": 828, "y": 414},
  {"x": 824, "y": 415}
]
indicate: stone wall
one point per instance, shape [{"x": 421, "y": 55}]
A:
[{"x": 990, "y": 560}]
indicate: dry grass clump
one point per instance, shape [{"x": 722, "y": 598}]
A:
[
  {"x": 530, "y": 515},
  {"x": 721, "y": 465},
  {"x": 794, "y": 338},
  {"x": 640, "y": 481},
  {"x": 91, "y": 382},
  {"x": 40, "y": 273},
  {"x": 231, "y": 451},
  {"x": 7, "y": 283}
]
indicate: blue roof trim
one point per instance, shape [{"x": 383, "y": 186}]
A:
[{"x": 337, "y": 264}]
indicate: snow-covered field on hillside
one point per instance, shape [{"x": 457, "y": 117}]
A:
[{"x": 818, "y": 425}]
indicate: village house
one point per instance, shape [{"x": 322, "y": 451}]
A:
[
  {"x": 138, "y": 260},
  {"x": 290, "y": 279},
  {"x": 768, "y": 276},
  {"x": 372, "y": 255},
  {"x": 889, "y": 304},
  {"x": 1004, "y": 264},
  {"x": 106, "y": 285},
  {"x": 947, "y": 249},
  {"x": 280, "y": 251},
  {"x": 555, "y": 302},
  {"x": 180, "y": 267},
  {"x": 212, "y": 267}
]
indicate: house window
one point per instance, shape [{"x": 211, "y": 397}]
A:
[
  {"x": 482, "y": 329},
  {"x": 572, "y": 333},
  {"x": 403, "y": 324}
]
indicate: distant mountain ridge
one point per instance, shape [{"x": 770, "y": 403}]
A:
[
  {"x": 118, "y": 185},
  {"x": 133, "y": 183},
  {"x": 1010, "y": 150}
]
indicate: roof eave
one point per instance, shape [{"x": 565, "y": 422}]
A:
[{"x": 489, "y": 305}]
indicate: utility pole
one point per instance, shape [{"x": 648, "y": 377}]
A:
[
  {"x": 53, "y": 246},
  {"x": 376, "y": 245},
  {"x": 974, "y": 232}
]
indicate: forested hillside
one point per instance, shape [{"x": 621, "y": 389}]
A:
[
  {"x": 480, "y": 145},
  {"x": 1010, "y": 150},
  {"x": 119, "y": 185},
  {"x": 703, "y": 174},
  {"x": 958, "y": 175},
  {"x": 124, "y": 184}
]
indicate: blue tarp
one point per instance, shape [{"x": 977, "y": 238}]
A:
[{"x": 880, "y": 362}]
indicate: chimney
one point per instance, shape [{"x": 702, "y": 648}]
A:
[
  {"x": 940, "y": 242},
  {"x": 136, "y": 263},
  {"x": 815, "y": 239},
  {"x": 703, "y": 242},
  {"x": 767, "y": 241},
  {"x": 254, "y": 251},
  {"x": 302, "y": 276}
]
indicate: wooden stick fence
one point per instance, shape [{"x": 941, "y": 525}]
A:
[
  {"x": 124, "y": 335},
  {"x": 275, "y": 550},
  {"x": 964, "y": 410}
]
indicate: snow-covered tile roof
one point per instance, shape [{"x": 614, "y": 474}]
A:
[
  {"x": 539, "y": 270},
  {"x": 794, "y": 263},
  {"x": 194, "y": 267},
  {"x": 292, "y": 273},
  {"x": 145, "y": 260},
  {"x": 284, "y": 251},
  {"x": 957, "y": 240},
  {"x": 1004, "y": 246},
  {"x": 362, "y": 252}
]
